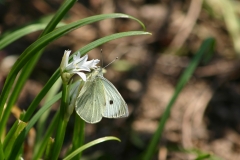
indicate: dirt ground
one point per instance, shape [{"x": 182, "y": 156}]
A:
[{"x": 206, "y": 116}]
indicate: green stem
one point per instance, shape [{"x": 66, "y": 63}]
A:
[
  {"x": 78, "y": 135},
  {"x": 39, "y": 149},
  {"x": 2, "y": 156},
  {"x": 62, "y": 124},
  {"x": 50, "y": 143},
  {"x": 42, "y": 123}
]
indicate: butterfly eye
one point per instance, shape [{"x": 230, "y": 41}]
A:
[{"x": 111, "y": 101}]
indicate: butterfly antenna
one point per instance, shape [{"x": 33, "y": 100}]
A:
[
  {"x": 102, "y": 57},
  {"x": 111, "y": 62}
]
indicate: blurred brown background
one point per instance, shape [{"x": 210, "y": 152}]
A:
[{"x": 206, "y": 115}]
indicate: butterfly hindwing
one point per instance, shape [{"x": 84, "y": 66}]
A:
[
  {"x": 115, "y": 106},
  {"x": 90, "y": 101}
]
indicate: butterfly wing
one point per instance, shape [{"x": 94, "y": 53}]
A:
[
  {"x": 90, "y": 101},
  {"x": 115, "y": 106}
]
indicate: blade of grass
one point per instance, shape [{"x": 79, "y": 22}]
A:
[
  {"x": 62, "y": 122},
  {"x": 41, "y": 124},
  {"x": 78, "y": 135},
  {"x": 106, "y": 39},
  {"x": 43, "y": 20},
  {"x": 20, "y": 139},
  {"x": 20, "y": 126},
  {"x": 206, "y": 47},
  {"x": 202, "y": 157},
  {"x": 13, "y": 36},
  {"x": 10, "y": 134},
  {"x": 2, "y": 155},
  {"x": 38, "y": 152},
  {"x": 88, "y": 145},
  {"x": 49, "y": 148}
]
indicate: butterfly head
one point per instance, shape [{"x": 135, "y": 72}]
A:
[
  {"x": 95, "y": 73},
  {"x": 98, "y": 70}
]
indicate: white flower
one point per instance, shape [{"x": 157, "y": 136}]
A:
[{"x": 77, "y": 66}]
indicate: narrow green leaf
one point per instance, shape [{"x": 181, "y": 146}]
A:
[
  {"x": 103, "y": 40},
  {"x": 38, "y": 152},
  {"x": 78, "y": 135},
  {"x": 42, "y": 110},
  {"x": 61, "y": 12},
  {"x": 2, "y": 155},
  {"x": 49, "y": 148},
  {"x": 41, "y": 124},
  {"x": 90, "y": 144},
  {"x": 62, "y": 124},
  {"x": 206, "y": 48},
  {"x": 8, "y": 147},
  {"x": 13, "y": 36},
  {"x": 22, "y": 136},
  {"x": 202, "y": 157},
  {"x": 10, "y": 134}
]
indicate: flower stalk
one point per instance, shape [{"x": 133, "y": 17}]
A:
[
  {"x": 78, "y": 66},
  {"x": 62, "y": 124}
]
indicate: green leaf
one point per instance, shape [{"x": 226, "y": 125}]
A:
[
  {"x": 103, "y": 40},
  {"x": 78, "y": 135},
  {"x": 2, "y": 155},
  {"x": 49, "y": 148},
  {"x": 20, "y": 139},
  {"x": 88, "y": 145},
  {"x": 8, "y": 143},
  {"x": 42, "y": 122},
  {"x": 13, "y": 36},
  {"x": 38, "y": 152}
]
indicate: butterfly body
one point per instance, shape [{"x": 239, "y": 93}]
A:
[{"x": 99, "y": 98}]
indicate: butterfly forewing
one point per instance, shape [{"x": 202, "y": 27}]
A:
[
  {"x": 90, "y": 101},
  {"x": 115, "y": 106}
]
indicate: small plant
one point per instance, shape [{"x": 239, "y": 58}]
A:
[{"x": 11, "y": 143}]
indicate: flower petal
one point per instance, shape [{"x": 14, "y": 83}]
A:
[
  {"x": 91, "y": 64},
  {"x": 82, "y": 75},
  {"x": 65, "y": 58},
  {"x": 82, "y": 60},
  {"x": 83, "y": 68}
]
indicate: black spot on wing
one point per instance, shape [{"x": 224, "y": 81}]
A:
[{"x": 111, "y": 101}]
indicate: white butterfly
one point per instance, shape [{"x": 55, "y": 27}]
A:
[{"x": 99, "y": 98}]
